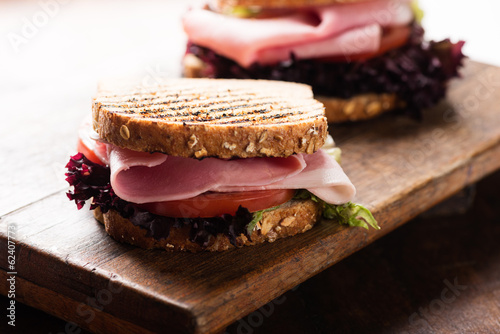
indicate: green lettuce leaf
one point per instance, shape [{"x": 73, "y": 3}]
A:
[
  {"x": 242, "y": 11},
  {"x": 417, "y": 11},
  {"x": 335, "y": 152},
  {"x": 351, "y": 214}
]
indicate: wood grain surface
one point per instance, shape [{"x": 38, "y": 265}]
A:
[
  {"x": 395, "y": 285},
  {"x": 400, "y": 167}
]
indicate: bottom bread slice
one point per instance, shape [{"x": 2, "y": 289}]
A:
[
  {"x": 291, "y": 218},
  {"x": 337, "y": 110},
  {"x": 359, "y": 107}
]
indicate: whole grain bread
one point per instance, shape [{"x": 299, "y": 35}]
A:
[
  {"x": 291, "y": 218},
  {"x": 359, "y": 107},
  {"x": 337, "y": 110},
  {"x": 222, "y": 118}
]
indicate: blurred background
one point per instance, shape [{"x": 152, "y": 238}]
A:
[{"x": 66, "y": 46}]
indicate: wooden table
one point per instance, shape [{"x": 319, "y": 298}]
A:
[
  {"x": 391, "y": 286},
  {"x": 67, "y": 266}
]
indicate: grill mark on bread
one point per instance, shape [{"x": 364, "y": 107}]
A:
[
  {"x": 212, "y": 99},
  {"x": 189, "y": 104},
  {"x": 200, "y": 115},
  {"x": 165, "y": 91},
  {"x": 164, "y": 114},
  {"x": 238, "y": 114},
  {"x": 275, "y": 118},
  {"x": 261, "y": 119},
  {"x": 241, "y": 114},
  {"x": 205, "y": 113}
]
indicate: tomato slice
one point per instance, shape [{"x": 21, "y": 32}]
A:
[
  {"x": 88, "y": 145},
  {"x": 214, "y": 204},
  {"x": 392, "y": 38},
  {"x": 84, "y": 148}
]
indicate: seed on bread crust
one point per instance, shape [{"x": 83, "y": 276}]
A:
[
  {"x": 310, "y": 148},
  {"x": 374, "y": 108},
  {"x": 201, "y": 153},
  {"x": 250, "y": 147},
  {"x": 228, "y": 146},
  {"x": 312, "y": 131},
  {"x": 302, "y": 142},
  {"x": 287, "y": 221},
  {"x": 124, "y": 132},
  {"x": 265, "y": 151},
  {"x": 192, "y": 141},
  {"x": 262, "y": 137}
]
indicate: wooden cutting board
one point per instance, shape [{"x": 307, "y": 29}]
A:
[{"x": 67, "y": 265}]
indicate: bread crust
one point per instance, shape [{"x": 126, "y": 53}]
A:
[
  {"x": 337, "y": 110},
  {"x": 222, "y": 118},
  {"x": 359, "y": 107},
  {"x": 291, "y": 218}
]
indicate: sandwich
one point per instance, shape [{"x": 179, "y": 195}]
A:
[
  {"x": 210, "y": 164},
  {"x": 361, "y": 57}
]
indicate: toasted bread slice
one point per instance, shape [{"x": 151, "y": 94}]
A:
[
  {"x": 291, "y": 218},
  {"x": 337, "y": 110},
  {"x": 222, "y": 118}
]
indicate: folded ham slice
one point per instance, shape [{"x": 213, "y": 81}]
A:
[
  {"x": 355, "y": 41},
  {"x": 140, "y": 177},
  {"x": 328, "y": 30}
]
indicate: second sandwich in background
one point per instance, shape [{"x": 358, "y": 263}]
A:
[{"x": 362, "y": 58}]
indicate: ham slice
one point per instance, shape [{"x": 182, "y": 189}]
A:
[
  {"x": 322, "y": 176},
  {"x": 142, "y": 177},
  {"x": 273, "y": 39},
  {"x": 355, "y": 41}
]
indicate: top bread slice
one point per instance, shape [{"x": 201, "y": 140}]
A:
[{"x": 223, "y": 118}]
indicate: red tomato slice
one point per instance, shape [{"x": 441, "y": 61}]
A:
[
  {"x": 393, "y": 38},
  {"x": 84, "y": 148},
  {"x": 87, "y": 145},
  {"x": 215, "y": 204}
]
